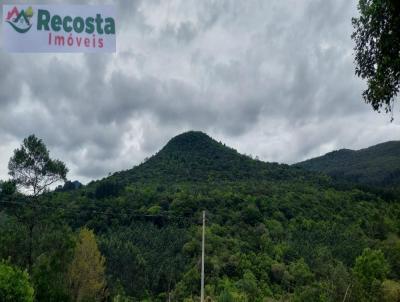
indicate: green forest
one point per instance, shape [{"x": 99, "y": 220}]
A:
[
  {"x": 377, "y": 166},
  {"x": 274, "y": 232}
]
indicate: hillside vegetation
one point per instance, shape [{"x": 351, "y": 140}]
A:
[
  {"x": 377, "y": 165},
  {"x": 274, "y": 232},
  {"x": 195, "y": 157}
]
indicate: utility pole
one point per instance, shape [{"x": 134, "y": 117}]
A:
[{"x": 202, "y": 257}]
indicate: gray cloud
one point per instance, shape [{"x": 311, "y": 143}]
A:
[
  {"x": 13, "y": 90},
  {"x": 270, "y": 78}
]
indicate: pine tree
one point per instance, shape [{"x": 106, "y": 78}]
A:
[{"x": 87, "y": 270}]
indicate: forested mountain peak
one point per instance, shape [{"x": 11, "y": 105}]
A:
[
  {"x": 195, "y": 156},
  {"x": 189, "y": 140},
  {"x": 195, "y": 142}
]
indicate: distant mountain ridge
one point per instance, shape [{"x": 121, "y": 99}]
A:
[{"x": 378, "y": 165}]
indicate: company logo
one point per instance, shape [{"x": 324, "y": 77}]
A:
[
  {"x": 20, "y": 20},
  {"x": 59, "y": 28}
]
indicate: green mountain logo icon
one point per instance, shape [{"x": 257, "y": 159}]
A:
[{"x": 20, "y": 20}]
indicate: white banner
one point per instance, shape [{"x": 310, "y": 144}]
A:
[{"x": 59, "y": 28}]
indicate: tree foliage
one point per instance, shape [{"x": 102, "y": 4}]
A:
[
  {"x": 391, "y": 291},
  {"x": 370, "y": 270},
  {"x": 377, "y": 50},
  {"x": 14, "y": 284},
  {"x": 32, "y": 168},
  {"x": 86, "y": 273}
]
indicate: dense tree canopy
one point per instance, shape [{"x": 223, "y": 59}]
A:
[
  {"x": 14, "y": 285},
  {"x": 277, "y": 234}
]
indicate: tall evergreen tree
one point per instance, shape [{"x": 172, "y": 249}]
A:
[{"x": 87, "y": 270}]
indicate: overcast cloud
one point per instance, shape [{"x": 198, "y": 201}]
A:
[{"x": 274, "y": 79}]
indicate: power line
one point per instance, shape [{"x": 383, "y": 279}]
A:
[{"x": 130, "y": 212}]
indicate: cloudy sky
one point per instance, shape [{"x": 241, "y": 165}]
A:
[{"x": 271, "y": 78}]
